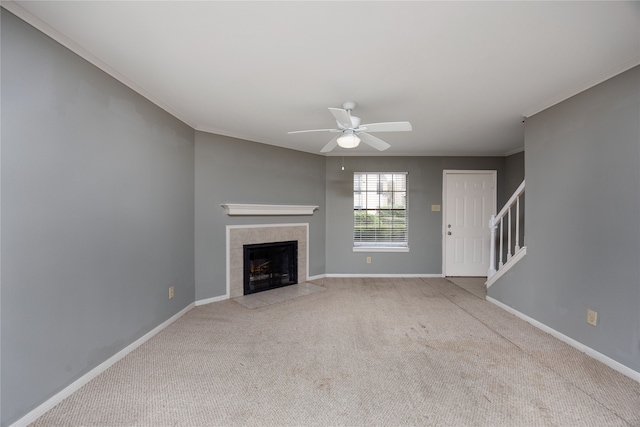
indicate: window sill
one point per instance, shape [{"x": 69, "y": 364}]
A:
[{"x": 379, "y": 249}]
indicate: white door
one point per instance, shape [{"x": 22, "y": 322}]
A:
[{"x": 469, "y": 201}]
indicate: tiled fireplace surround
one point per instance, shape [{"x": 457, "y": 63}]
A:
[{"x": 239, "y": 235}]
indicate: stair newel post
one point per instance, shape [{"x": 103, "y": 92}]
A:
[
  {"x": 500, "y": 263},
  {"x": 492, "y": 251},
  {"x": 517, "y": 248},
  {"x": 509, "y": 236}
]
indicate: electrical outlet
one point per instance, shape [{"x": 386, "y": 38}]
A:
[
  {"x": 592, "y": 317},
  {"x": 170, "y": 292},
  {"x": 368, "y": 260}
]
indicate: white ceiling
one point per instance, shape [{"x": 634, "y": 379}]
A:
[{"x": 463, "y": 73}]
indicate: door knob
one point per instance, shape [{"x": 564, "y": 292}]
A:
[{"x": 449, "y": 233}]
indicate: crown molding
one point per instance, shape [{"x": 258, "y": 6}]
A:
[
  {"x": 621, "y": 68},
  {"x": 512, "y": 152}
]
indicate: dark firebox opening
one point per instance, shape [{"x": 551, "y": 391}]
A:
[{"x": 270, "y": 265}]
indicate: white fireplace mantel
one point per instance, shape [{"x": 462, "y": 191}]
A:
[{"x": 251, "y": 209}]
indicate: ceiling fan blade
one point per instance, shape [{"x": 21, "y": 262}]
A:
[
  {"x": 342, "y": 116},
  {"x": 387, "y": 127},
  {"x": 314, "y": 130},
  {"x": 331, "y": 145},
  {"x": 376, "y": 143}
]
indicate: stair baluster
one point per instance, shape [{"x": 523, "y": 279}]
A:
[{"x": 513, "y": 252}]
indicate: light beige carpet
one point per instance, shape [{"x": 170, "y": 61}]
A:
[
  {"x": 475, "y": 285},
  {"x": 385, "y": 352}
]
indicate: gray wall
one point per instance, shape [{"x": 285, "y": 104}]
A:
[
  {"x": 583, "y": 220},
  {"x": 238, "y": 171},
  {"x": 97, "y": 217},
  {"x": 513, "y": 176},
  {"x": 425, "y": 226},
  {"x": 513, "y": 172}
]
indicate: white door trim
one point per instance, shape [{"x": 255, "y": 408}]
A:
[{"x": 494, "y": 175}]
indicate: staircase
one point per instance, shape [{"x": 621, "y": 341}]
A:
[{"x": 503, "y": 246}]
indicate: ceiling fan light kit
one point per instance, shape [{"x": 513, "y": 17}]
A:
[
  {"x": 351, "y": 132},
  {"x": 348, "y": 140}
]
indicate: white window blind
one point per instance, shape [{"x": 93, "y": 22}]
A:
[{"x": 380, "y": 209}]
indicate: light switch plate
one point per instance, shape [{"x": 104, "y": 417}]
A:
[{"x": 435, "y": 208}]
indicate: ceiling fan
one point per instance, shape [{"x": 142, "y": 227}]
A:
[{"x": 351, "y": 132}]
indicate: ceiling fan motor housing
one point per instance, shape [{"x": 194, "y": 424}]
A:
[
  {"x": 349, "y": 105},
  {"x": 355, "y": 123}
]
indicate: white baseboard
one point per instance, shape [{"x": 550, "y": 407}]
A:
[
  {"x": 373, "y": 276},
  {"x": 322, "y": 276},
  {"x": 625, "y": 370},
  {"x": 210, "y": 300},
  {"x": 74, "y": 386}
]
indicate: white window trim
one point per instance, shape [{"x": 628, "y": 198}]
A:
[{"x": 379, "y": 247}]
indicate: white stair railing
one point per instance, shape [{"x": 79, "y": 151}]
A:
[{"x": 513, "y": 252}]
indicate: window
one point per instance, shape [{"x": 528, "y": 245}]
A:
[{"x": 380, "y": 211}]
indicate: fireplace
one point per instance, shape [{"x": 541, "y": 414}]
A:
[
  {"x": 270, "y": 265},
  {"x": 250, "y": 234}
]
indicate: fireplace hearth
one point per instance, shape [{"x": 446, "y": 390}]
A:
[{"x": 270, "y": 265}]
